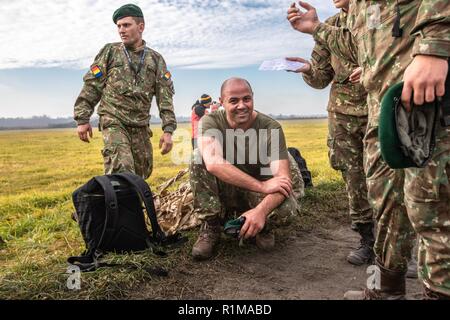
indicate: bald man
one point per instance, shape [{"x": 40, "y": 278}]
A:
[{"x": 242, "y": 169}]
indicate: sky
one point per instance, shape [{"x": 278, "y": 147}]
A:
[{"x": 47, "y": 47}]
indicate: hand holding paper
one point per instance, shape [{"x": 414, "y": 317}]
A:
[{"x": 280, "y": 64}]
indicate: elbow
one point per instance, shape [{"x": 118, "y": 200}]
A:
[
  {"x": 211, "y": 168},
  {"x": 323, "y": 85},
  {"x": 318, "y": 86}
]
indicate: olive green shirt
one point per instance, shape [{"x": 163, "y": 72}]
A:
[{"x": 250, "y": 151}]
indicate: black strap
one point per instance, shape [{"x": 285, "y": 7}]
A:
[
  {"x": 445, "y": 109},
  {"x": 397, "y": 31},
  {"x": 141, "y": 61},
  {"x": 145, "y": 193},
  {"x": 87, "y": 262},
  {"x": 112, "y": 210}
]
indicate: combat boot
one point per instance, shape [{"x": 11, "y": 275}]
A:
[
  {"x": 391, "y": 286},
  {"x": 207, "y": 240},
  {"x": 364, "y": 253}
]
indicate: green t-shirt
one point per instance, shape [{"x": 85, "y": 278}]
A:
[{"x": 252, "y": 150}]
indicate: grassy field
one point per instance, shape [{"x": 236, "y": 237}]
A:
[{"x": 40, "y": 169}]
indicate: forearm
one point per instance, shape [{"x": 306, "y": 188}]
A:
[
  {"x": 321, "y": 72},
  {"x": 270, "y": 203},
  {"x": 85, "y": 105},
  {"x": 431, "y": 31},
  {"x": 168, "y": 119},
  {"x": 317, "y": 79}
]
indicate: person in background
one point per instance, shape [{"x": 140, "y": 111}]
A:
[{"x": 198, "y": 111}]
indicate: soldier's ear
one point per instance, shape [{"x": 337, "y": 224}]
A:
[{"x": 141, "y": 27}]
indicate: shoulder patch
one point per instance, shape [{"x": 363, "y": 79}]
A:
[
  {"x": 167, "y": 76},
  {"x": 95, "y": 69}
]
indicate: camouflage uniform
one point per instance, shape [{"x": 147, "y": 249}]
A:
[
  {"x": 421, "y": 194},
  {"x": 216, "y": 199},
  {"x": 347, "y": 121},
  {"x": 125, "y": 101}
]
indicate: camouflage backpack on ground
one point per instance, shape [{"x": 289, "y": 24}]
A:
[{"x": 175, "y": 209}]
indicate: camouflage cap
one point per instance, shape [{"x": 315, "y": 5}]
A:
[
  {"x": 407, "y": 138},
  {"x": 128, "y": 10}
]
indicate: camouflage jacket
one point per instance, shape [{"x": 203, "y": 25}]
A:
[
  {"x": 121, "y": 94},
  {"x": 369, "y": 42},
  {"x": 345, "y": 97}
]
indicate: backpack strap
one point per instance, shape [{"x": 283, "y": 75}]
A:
[
  {"x": 146, "y": 195},
  {"x": 445, "y": 109},
  {"x": 112, "y": 210},
  {"x": 87, "y": 262}
]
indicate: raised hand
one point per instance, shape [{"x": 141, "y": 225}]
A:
[{"x": 304, "y": 22}]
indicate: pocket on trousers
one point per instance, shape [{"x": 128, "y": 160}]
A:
[
  {"x": 107, "y": 154},
  {"x": 335, "y": 156},
  {"x": 423, "y": 185}
]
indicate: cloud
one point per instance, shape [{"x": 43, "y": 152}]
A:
[{"x": 192, "y": 34}]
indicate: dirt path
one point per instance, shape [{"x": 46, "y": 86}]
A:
[{"x": 308, "y": 265}]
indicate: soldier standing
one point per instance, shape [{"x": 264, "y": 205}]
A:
[
  {"x": 405, "y": 40},
  {"x": 124, "y": 78},
  {"x": 347, "y": 122}
]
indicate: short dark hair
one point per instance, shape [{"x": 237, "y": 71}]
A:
[
  {"x": 139, "y": 20},
  {"x": 225, "y": 83}
]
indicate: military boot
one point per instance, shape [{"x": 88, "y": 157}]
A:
[
  {"x": 207, "y": 240},
  {"x": 364, "y": 253},
  {"x": 391, "y": 286}
]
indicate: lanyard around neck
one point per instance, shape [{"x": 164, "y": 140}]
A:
[{"x": 141, "y": 62}]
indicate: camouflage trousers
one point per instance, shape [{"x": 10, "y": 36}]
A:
[
  {"x": 126, "y": 149},
  {"x": 408, "y": 200},
  {"x": 214, "y": 199},
  {"x": 427, "y": 200},
  {"x": 346, "y": 150}
]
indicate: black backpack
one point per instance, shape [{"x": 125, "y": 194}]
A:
[
  {"x": 301, "y": 162},
  {"x": 110, "y": 215}
]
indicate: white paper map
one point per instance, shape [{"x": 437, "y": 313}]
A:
[{"x": 280, "y": 64}]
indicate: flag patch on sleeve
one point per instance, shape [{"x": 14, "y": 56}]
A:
[
  {"x": 167, "y": 75},
  {"x": 96, "y": 71}
]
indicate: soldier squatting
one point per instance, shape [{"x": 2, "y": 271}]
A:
[{"x": 365, "y": 49}]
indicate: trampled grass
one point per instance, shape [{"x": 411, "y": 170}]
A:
[{"x": 40, "y": 169}]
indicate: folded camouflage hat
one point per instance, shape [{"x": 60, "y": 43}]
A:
[
  {"x": 128, "y": 10},
  {"x": 407, "y": 139}
]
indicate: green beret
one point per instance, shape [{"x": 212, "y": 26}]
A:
[
  {"x": 407, "y": 139},
  {"x": 128, "y": 10}
]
